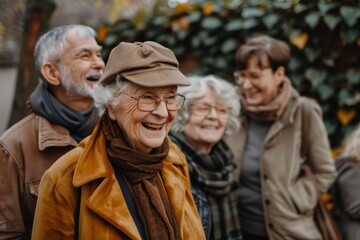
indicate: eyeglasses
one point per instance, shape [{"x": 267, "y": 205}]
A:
[
  {"x": 254, "y": 78},
  {"x": 205, "y": 109},
  {"x": 149, "y": 102}
]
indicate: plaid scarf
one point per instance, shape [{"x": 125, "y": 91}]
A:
[{"x": 214, "y": 175}]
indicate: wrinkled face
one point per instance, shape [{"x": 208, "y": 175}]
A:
[
  {"x": 260, "y": 86},
  {"x": 81, "y": 66},
  {"x": 207, "y": 121},
  {"x": 145, "y": 130}
]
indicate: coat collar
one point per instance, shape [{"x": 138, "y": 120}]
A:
[
  {"x": 53, "y": 135},
  {"x": 107, "y": 199}
]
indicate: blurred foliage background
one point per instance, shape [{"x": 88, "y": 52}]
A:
[{"x": 324, "y": 36}]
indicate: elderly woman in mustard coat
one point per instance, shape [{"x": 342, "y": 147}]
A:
[{"x": 127, "y": 180}]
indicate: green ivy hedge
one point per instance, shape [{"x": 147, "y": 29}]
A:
[{"x": 324, "y": 37}]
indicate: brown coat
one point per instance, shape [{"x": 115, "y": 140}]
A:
[
  {"x": 288, "y": 199},
  {"x": 103, "y": 210},
  {"x": 27, "y": 149}
]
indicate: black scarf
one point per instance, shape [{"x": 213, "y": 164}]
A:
[{"x": 80, "y": 124}]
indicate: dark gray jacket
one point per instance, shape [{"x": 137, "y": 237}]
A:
[{"x": 347, "y": 187}]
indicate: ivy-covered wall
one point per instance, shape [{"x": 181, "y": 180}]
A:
[{"x": 324, "y": 37}]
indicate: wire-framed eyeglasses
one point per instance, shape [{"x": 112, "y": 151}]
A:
[
  {"x": 149, "y": 102},
  {"x": 205, "y": 109}
]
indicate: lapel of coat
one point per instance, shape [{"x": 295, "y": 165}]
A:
[
  {"x": 101, "y": 190},
  {"x": 286, "y": 118},
  {"x": 174, "y": 174}
]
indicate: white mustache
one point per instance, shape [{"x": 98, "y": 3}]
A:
[{"x": 94, "y": 73}]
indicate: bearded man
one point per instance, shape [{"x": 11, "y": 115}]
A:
[{"x": 68, "y": 61}]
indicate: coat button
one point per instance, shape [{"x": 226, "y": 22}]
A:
[
  {"x": 271, "y": 226},
  {"x": 267, "y": 201},
  {"x": 266, "y": 177}
]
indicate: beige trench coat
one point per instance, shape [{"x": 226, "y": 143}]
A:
[{"x": 288, "y": 199}]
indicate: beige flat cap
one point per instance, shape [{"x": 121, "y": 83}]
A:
[{"x": 147, "y": 64}]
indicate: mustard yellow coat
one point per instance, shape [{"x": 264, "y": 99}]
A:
[{"x": 103, "y": 211}]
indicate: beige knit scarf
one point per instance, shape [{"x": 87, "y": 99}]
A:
[{"x": 271, "y": 111}]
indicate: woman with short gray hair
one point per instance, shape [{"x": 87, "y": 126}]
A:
[{"x": 210, "y": 111}]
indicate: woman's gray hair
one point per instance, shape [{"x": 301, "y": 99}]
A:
[
  {"x": 52, "y": 45},
  {"x": 224, "y": 92},
  {"x": 350, "y": 147},
  {"x": 108, "y": 95}
]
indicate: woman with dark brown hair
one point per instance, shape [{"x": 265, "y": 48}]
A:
[{"x": 276, "y": 201}]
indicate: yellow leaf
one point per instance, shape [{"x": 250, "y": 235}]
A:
[
  {"x": 184, "y": 22},
  {"x": 182, "y": 7},
  {"x": 208, "y": 8},
  {"x": 326, "y": 197},
  {"x": 101, "y": 34},
  {"x": 2, "y": 28},
  {"x": 334, "y": 152},
  {"x": 345, "y": 116},
  {"x": 300, "y": 40}
]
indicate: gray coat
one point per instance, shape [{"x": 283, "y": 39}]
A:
[
  {"x": 288, "y": 199},
  {"x": 347, "y": 187}
]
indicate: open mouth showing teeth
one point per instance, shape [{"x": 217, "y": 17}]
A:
[
  {"x": 153, "y": 127},
  {"x": 93, "y": 78},
  {"x": 209, "y": 127}
]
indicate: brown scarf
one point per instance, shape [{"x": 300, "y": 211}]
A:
[
  {"x": 271, "y": 111},
  {"x": 142, "y": 173}
]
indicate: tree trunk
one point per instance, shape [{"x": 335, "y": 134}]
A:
[{"x": 37, "y": 19}]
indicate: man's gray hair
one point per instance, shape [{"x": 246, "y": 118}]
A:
[{"x": 53, "y": 43}]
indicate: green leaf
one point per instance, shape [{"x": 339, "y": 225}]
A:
[
  {"x": 182, "y": 34},
  {"x": 316, "y": 77},
  {"x": 299, "y": 8},
  {"x": 325, "y": 7},
  {"x": 159, "y": 20},
  {"x": 347, "y": 96},
  {"x": 350, "y": 35},
  {"x": 331, "y": 21},
  {"x": 221, "y": 63},
  {"x": 234, "y": 25},
  {"x": 353, "y": 76},
  {"x": 295, "y": 64},
  {"x": 211, "y": 22},
  {"x": 252, "y": 12},
  {"x": 110, "y": 39},
  {"x": 210, "y": 40},
  {"x": 250, "y": 23},
  {"x": 195, "y": 41},
  {"x": 270, "y": 20},
  {"x": 312, "y": 19},
  {"x": 330, "y": 126},
  {"x": 325, "y": 92},
  {"x": 312, "y": 54},
  {"x": 194, "y": 17},
  {"x": 350, "y": 14},
  {"x": 229, "y": 46}
]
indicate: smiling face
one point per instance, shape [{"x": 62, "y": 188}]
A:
[
  {"x": 145, "y": 130},
  {"x": 81, "y": 66},
  {"x": 204, "y": 129},
  {"x": 260, "y": 85}
]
